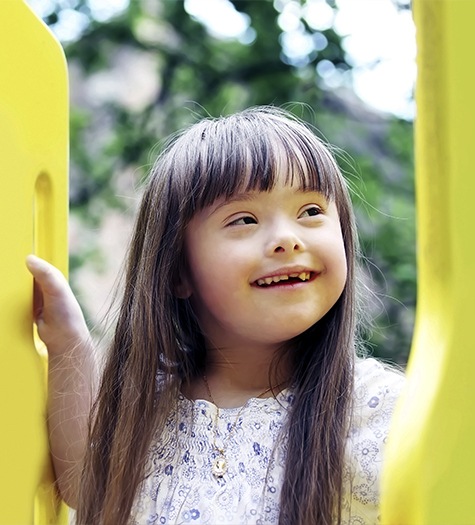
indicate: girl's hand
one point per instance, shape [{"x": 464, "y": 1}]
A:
[{"x": 56, "y": 311}]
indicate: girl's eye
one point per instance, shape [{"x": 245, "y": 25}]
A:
[
  {"x": 311, "y": 211},
  {"x": 243, "y": 220}
]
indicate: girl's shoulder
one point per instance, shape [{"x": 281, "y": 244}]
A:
[
  {"x": 371, "y": 371},
  {"x": 377, "y": 388}
]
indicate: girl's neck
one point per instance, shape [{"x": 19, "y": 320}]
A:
[{"x": 233, "y": 377}]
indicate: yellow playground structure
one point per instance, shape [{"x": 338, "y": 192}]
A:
[
  {"x": 429, "y": 475},
  {"x": 33, "y": 217}
]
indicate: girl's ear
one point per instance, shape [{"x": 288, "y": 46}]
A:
[{"x": 182, "y": 288}]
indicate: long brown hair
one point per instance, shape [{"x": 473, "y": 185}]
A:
[{"x": 158, "y": 344}]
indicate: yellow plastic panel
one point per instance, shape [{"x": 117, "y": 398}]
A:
[
  {"x": 33, "y": 218},
  {"x": 430, "y": 467}
]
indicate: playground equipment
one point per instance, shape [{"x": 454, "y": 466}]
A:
[
  {"x": 429, "y": 476},
  {"x": 33, "y": 219}
]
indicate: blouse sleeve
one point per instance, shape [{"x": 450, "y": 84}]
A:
[{"x": 377, "y": 389}]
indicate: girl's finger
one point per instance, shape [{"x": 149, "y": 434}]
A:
[{"x": 49, "y": 278}]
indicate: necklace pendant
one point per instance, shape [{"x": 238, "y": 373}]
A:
[{"x": 220, "y": 467}]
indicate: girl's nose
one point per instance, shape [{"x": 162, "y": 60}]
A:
[
  {"x": 285, "y": 241},
  {"x": 286, "y": 247}
]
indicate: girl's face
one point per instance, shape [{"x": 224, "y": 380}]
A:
[{"x": 263, "y": 267}]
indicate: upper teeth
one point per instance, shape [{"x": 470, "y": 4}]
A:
[{"x": 304, "y": 276}]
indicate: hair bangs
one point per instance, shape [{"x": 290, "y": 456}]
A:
[
  {"x": 246, "y": 152},
  {"x": 305, "y": 161},
  {"x": 230, "y": 162}
]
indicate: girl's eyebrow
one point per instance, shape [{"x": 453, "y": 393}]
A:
[
  {"x": 237, "y": 197},
  {"x": 250, "y": 196}
]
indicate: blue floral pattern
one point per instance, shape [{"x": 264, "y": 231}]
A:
[{"x": 180, "y": 488}]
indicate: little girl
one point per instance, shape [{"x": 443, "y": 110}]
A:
[{"x": 232, "y": 393}]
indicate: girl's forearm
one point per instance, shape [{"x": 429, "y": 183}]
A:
[
  {"x": 72, "y": 372},
  {"x": 72, "y": 384}
]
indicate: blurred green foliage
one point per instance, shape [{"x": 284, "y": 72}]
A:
[{"x": 192, "y": 73}]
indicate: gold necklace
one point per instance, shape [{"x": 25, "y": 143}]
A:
[{"x": 220, "y": 464}]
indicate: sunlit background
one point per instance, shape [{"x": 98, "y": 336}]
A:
[{"x": 379, "y": 39}]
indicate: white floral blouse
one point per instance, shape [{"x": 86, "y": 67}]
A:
[{"x": 180, "y": 486}]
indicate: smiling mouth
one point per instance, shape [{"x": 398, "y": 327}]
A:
[{"x": 291, "y": 278}]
